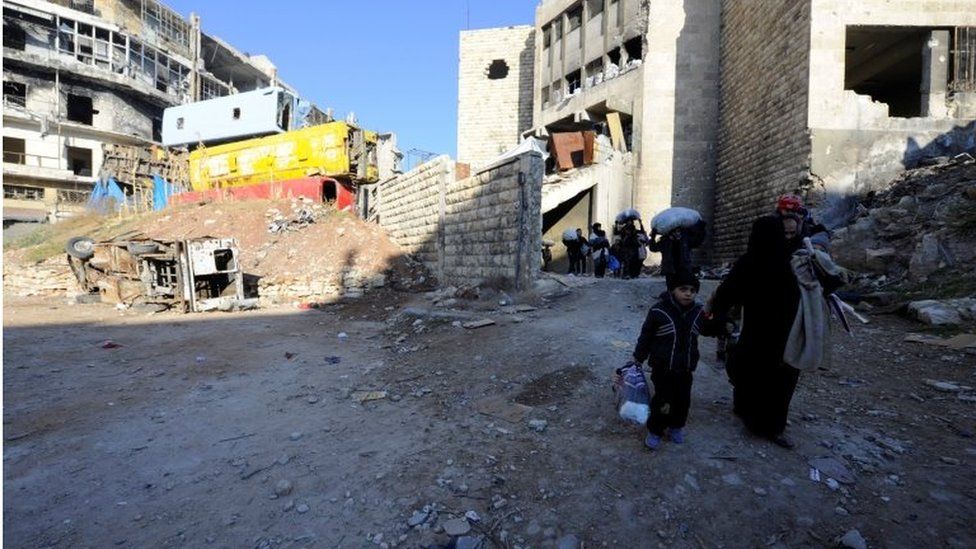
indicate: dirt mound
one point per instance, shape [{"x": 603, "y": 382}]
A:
[
  {"x": 920, "y": 231},
  {"x": 294, "y": 243},
  {"x": 297, "y": 249}
]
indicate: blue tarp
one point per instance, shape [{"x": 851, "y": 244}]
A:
[
  {"x": 162, "y": 190},
  {"x": 106, "y": 196}
]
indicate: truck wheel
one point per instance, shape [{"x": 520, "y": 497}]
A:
[
  {"x": 80, "y": 247},
  {"x": 140, "y": 248}
]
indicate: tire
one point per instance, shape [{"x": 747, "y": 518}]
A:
[
  {"x": 140, "y": 248},
  {"x": 80, "y": 247}
]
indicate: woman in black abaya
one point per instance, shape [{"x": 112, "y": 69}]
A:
[{"x": 762, "y": 282}]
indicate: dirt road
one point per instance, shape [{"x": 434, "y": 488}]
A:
[{"x": 247, "y": 430}]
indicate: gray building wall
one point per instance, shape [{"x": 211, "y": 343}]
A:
[
  {"x": 493, "y": 112},
  {"x": 764, "y": 145}
]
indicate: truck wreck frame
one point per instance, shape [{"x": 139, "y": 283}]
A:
[{"x": 194, "y": 275}]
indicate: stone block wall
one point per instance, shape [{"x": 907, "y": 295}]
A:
[
  {"x": 484, "y": 227},
  {"x": 410, "y": 208},
  {"x": 764, "y": 144},
  {"x": 493, "y": 112}
]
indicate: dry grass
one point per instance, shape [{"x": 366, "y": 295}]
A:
[{"x": 49, "y": 240}]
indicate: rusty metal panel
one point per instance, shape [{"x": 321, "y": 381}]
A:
[{"x": 566, "y": 146}]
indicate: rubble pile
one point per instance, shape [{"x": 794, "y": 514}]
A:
[
  {"x": 50, "y": 277},
  {"x": 298, "y": 250},
  {"x": 921, "y": 229}
]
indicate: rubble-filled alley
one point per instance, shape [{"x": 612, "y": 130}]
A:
[{"x": 382, "y": 421}]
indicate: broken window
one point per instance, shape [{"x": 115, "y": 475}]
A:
[
  {"x": 574, "y": 18},
  {"x": 66, "y": 36},
  {"x": 594, "y": 68},
  {"x": 80, "y": 109},
  {"x": 963, "y": 60},
  {"x": 546, "y": 37},
  {"x": 545, "y": 96},
  {"x": 614, "y": 56},
  {"x": 14, "y": 93},
  {"x": 557, "y": 91},
  {"x": 14, "y": 35},
  {"x": 80, "y": 161},
  {"x": 497, "y": 70},
  {"x": 157, "y": 128},
  {"x": 634, "y": 48},
  {"x": 595, "y": 7},
  {"x": 86, "y": 44},
  {"x": 574, "y": 81},
  {"x": 13, "y": 150},
  {"x": 885, "y": 63},
  {"x": 19, "y": 192}
]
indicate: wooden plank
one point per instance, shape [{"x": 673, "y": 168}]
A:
[{"x": 616, "y": 131}]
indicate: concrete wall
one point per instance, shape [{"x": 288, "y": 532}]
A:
[
  {"x": 679, "y": 114},
  {"x": 764, "y": 146},
  {"x": 857, "y": 146},
  {"x": 492, "y": 113},
  {"x": 484, "y": 227}
]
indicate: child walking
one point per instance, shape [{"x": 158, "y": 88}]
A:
[{"x": 669, "y": 342}]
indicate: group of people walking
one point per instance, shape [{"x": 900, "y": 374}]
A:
[
  {"x": 764, "y": 286},
  {"x": 623, "y": 257}
]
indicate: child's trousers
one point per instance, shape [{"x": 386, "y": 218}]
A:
[{"x": 671, "y": 400}]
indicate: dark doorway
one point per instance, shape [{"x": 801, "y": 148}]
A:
[
  {"x": 80, "y": 109},
  {"x": 80, "y": 161}
]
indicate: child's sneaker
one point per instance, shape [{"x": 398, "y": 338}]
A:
[
  {"x": 652, "y": 441},
  {"x": 677, "y": 436}
]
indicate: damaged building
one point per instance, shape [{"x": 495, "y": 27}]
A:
[
  {"x": 722, "y": 105},
  {"x": 81, "y": 74}
]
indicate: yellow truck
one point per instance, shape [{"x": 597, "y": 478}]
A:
[{"x": 337, "y": 150}]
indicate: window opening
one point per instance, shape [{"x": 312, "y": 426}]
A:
[
  {"x": 497, "y": 70},
  {"x": 80, "y": 109},
  {"x": 13, "y": 151},
  {"x": 885, "y": 63},
  {"x": 80, "y": 161}
]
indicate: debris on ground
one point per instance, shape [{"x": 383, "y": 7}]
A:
[{"x": 921, "y": 228}]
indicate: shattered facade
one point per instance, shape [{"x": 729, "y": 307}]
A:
[
  {"x": 652, "y": 66},
  {"x": 494, "y": 91},
  {"x": 78, "y": 75},
  {"x": 836, "y": 99},
  {"x": 726, "y": 104}
]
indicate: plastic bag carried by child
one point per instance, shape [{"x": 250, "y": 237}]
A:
[
  {"x": 631, "y": 397},
  {"x": 674, "y": 218}
]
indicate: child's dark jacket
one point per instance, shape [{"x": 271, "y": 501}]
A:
[{"x": 669, "y": 336}]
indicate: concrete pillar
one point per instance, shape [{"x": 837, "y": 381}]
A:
[{"x": 935, "y": 74}]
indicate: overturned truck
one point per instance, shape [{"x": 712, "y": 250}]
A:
[{"x": 193, "y": 275}]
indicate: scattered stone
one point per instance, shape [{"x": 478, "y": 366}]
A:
[
  {"x": 943, "y": 386},
  {"x": 456, "y": 527},
  {"x": 468, "y": 542},
  {"x": 418, "y": 518},
  {"x": 759, "y": 491},
  {"x": 474, "y": 324},
  {"x": 841, "y": 511},
  {"x": 854, "y": 540},
  {"x": 472, "y": 516},
  {"x": 533, "y": 529},
  {"x": 568, "y": 542},
  {"x": 295, "y": 435},
  {"x": 302, "y": 508},
  {"x": 732, "y": 479},
  {"x": 538, "y": 425},
  {"x": 290, "y": 505},
  {"x": 312, "y": 399},
  {"x": 283, "y": 488},
  {"x": 949, "y": 460}
]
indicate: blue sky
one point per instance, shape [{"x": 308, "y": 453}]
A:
[{"x": 392, "y": 62}]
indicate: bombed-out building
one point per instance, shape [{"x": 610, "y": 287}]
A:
[
  {"x": 722, "y": 105},
  {"x": 80, "y": 74}
]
